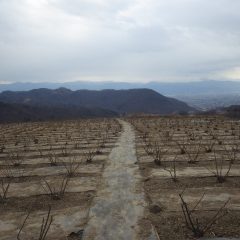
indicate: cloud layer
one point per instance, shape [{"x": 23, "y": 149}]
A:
[{"x": 119, "y": 40}]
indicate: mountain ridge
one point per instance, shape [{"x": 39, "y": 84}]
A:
[
  {"x": 121, "y": 101},
  {"x": 14, "y": 112},
  {"x": 169, "y": 89}
]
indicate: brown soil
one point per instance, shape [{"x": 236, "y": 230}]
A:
[{"x": 42, "y": 202}]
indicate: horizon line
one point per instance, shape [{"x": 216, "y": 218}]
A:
[{"x": 122, "y": 82}]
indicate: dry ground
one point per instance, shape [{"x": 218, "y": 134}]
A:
[
  {"x": 35, "y": 155},
  {"x": 195, "y": 179},
  {"x": 97, "y": 158}
]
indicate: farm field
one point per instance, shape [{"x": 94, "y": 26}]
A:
[
  {"x": 54, "y": 168},
  {"x": 140, "y": 178},
  {"x": 190, "y": 167}
]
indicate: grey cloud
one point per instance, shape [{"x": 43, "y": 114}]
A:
[{"x": 60, "y": 40}]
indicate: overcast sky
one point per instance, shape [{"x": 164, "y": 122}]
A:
[{"x": 119, "y": 40}]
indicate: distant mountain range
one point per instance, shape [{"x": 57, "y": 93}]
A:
[
  {"x": 113, "y": 102},
  {"x": 202, "y": 94},
  {"x": 169, "y": 89}
]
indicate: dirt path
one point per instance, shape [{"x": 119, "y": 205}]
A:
[{"x": 120, "y": 203}]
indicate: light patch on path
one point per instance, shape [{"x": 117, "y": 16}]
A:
[{"x": 119, "y": 203}]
